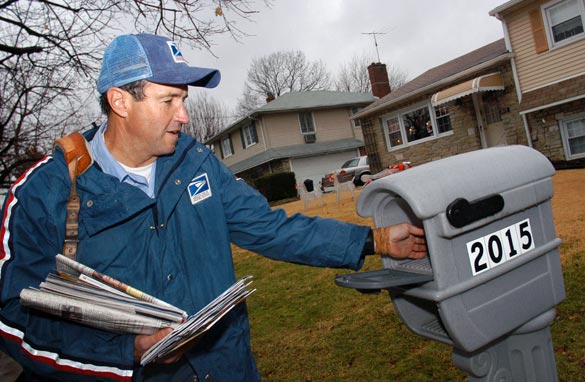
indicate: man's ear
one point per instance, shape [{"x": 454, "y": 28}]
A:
[{"x": 118, "y": 100}]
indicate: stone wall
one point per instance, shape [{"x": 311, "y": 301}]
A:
[{"x": 546, "y": 135}]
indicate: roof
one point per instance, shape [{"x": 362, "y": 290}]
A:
[
  {"x": 307, "y": 100},
  {"x": 442, "y": 75},
  {"x": 316, "y": 99},
  {"x": 296, "y": 151}
]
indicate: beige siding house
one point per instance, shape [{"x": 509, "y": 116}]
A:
[
  {"x": 309, "y": 133},
  {"x": 466, "y": 104},
  {"x": 548, "y": 40}
]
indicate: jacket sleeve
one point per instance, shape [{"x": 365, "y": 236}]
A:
[
  {"x": 315, "y": 241},
  {"x": 32, "y": 232}
]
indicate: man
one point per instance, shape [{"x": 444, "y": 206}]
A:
[{"x": 142, "y": 221}]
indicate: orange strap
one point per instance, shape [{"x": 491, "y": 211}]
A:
[{"x": 78, "y": 157}]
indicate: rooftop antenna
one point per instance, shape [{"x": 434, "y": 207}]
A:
[{"x": 376, "y": 41}]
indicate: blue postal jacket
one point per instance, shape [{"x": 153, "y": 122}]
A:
[{"x": 175, "y": 246}]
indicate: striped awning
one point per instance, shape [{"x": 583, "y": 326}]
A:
[{"x": 493, "y": 81}]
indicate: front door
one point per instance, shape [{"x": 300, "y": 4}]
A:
[{"x": 495, "y": 134}]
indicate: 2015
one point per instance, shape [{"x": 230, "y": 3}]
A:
[{"x": 498, "y": 247}]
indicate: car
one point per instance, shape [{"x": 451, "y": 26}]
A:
[{"x": 358, "y": 167}]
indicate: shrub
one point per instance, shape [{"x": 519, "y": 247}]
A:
[{"x": 277, "y": 186}]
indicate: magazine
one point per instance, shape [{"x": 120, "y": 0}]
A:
[{"x": 79, "y": 293}]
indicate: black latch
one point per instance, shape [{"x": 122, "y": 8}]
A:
[{"x": 461, "y": 212}]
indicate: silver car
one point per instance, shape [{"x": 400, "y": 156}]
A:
[{"x": 358, "y": 167}]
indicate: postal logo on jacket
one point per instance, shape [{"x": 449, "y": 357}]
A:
[{"x": 199, "y": 188}]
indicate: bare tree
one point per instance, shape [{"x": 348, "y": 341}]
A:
[
  {"x": 247, "y": 102},
  {"x": 353, "y": 75},
  {"x": 282, "y": 72},
  {"x": 207, "y": 116},
  {"x": 50, "y": 55},
  {"x": 396, "y": 76}
]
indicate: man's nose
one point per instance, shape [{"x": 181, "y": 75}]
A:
[{"x": 182, "y": 114}]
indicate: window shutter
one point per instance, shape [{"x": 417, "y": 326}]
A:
[
  {"x": 221, "y": 148},
  {"x": 243, "y": 138},
  {"x": 538, "y": 31},
  {"x": 254, "y": 133},
  {"x": 231, "y": 145}
]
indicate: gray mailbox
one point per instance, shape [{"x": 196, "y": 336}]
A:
[{"x": 493, "y": 277}]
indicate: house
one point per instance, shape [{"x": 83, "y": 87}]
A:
[
  {"x": 548, "y": 39},
  {"x": 466, "y": 104},
  {"x": 309, "y": 133}
]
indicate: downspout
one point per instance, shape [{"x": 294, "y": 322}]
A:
[
  {"x": 513, "y": 59},
  {"x": 515, "y": 76},
  {"x": 527, "y": 130}
]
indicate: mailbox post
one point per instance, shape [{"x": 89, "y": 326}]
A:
[{"x": 492, "y": 279}]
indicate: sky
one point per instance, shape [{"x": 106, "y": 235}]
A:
[{"x": 412, "y": 35}]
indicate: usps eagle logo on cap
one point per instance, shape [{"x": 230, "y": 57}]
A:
[
  {"x": 199, "y": 189},
  {"x": 176, "y": 52}
]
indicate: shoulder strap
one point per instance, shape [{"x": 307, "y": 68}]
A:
[{"x": 78, "y": 158}]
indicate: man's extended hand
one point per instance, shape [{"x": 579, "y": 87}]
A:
[
  {"x": 143, "y": 342},
  {"x": 400, "y": 241}
]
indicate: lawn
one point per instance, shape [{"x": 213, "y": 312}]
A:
[{"x": 305, "y": 328}]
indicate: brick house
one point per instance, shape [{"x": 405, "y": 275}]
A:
[
  {"x": 466, "y": 104},
  {"x": 548, "y": 39},
  {"x": 309, "y": 133}
]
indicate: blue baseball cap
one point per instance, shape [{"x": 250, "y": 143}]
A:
[{"x": 157, "y": 59}]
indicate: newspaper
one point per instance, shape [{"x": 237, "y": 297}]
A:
[
  {"x": 200, "y": 322},
  {"x": 81, "y": 294},
  {"x": 98, "y": 316}
]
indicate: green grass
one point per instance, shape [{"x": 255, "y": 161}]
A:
[
  {"x": 305, "y": 328},
  {"x": 568, "y": 330}
]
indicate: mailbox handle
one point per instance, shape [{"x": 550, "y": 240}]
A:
[{"x": 462, "y": 212}]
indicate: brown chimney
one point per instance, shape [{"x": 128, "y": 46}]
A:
[
  {"x": 379, "y": 79},
  {"x": 269, "y": 97}
]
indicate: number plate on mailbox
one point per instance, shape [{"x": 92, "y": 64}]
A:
[{"x": 498, "y": 247}]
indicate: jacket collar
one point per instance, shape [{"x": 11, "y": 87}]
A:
[{"x": 106, "y": 201}]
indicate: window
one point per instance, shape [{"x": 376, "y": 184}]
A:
[
  {"x": 394, "y": 133},
  {"x": 491, "y": 108},
  {"x": 351, "y": 163},
  {"x": 564, "y": 21},
  {"x": 443, "y": 118},
  {"x": 249, "y": 135},
  {"x": 417, "y": 124},
  {"x": 573, "y": 131},
  {"x": 306, "y": 121},
  {"x": 408, "y": 126},
  {"x": 227, "y": 149},
  {"x": 354, "y": 111}
]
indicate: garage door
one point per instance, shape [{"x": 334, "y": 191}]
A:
[{"x": 315, "y": 167}]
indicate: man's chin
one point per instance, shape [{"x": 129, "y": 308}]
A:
[{"x": 167, "y": 153}]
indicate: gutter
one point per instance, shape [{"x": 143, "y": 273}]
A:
[{"x": 496, "y": 11}]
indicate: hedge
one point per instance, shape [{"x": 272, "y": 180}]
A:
[{"x": 277, "y": 186}]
